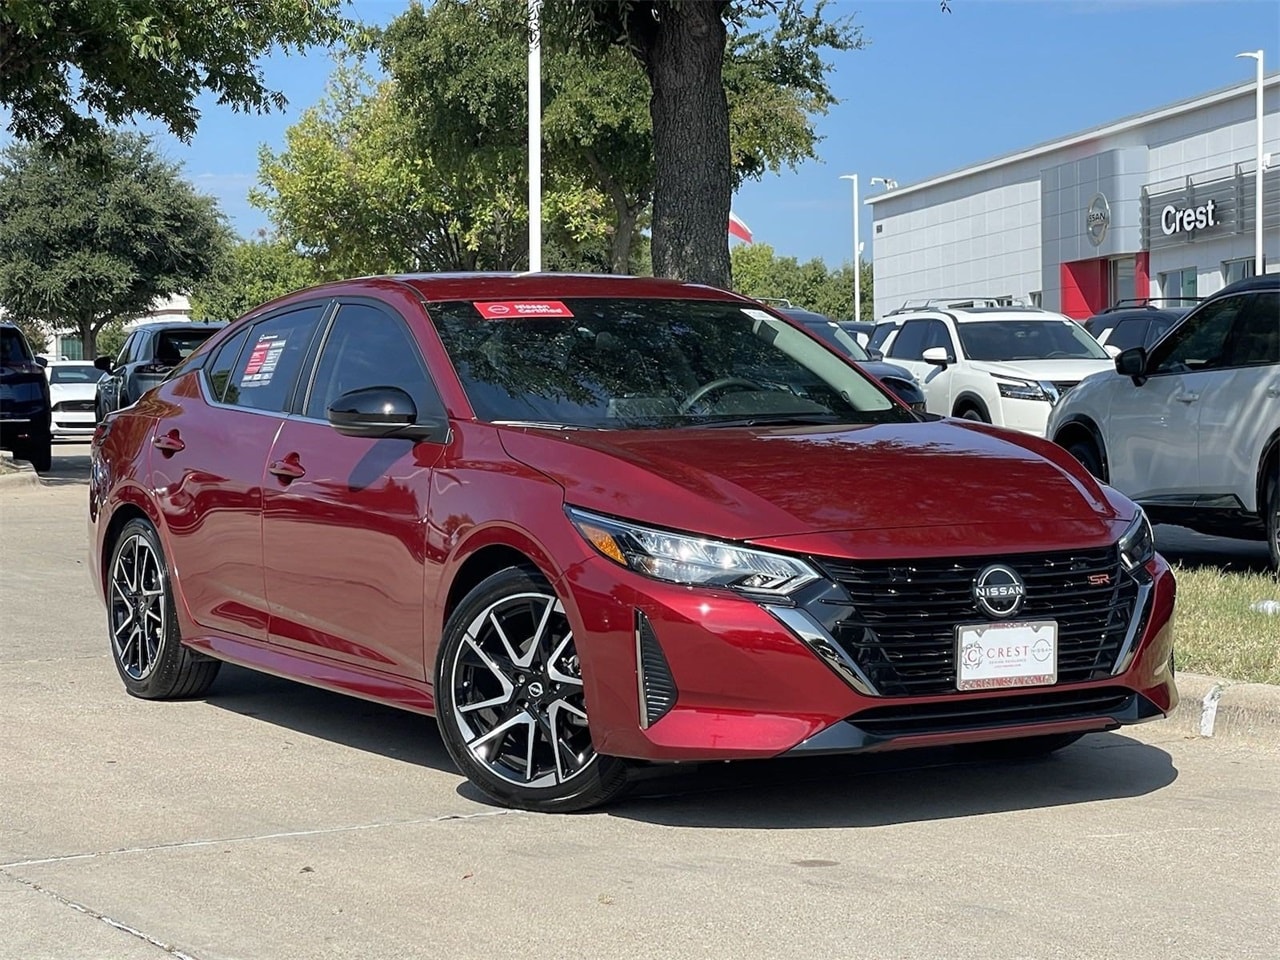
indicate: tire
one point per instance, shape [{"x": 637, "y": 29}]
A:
[
  {"x": 1086, "y": 451},
  {"x": 148, "y": 652},
  {"x": 38, "y": 451},
  {"x": 500, "y": 692},
  {"x": 972, "y": 413},
  {"x": 1273, "y": 519},
  {"x": 1022, "y": 748}
]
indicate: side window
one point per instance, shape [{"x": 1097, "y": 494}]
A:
[
  {"x": 268, "y": 366},
  {"x": 909, "y": 344},
  {"x": 1255, "y": 340},
  {"x": 370, "y": 347},
  {"x": 218, "y": 370},
  {"x": 1200, "y": 341},
  {"x": 879, "y": 335},
  {"x": 125, "y": 351},
  {"x": 1156, "y": 330},
  {"x": 937, "y": 335},
  {"x": 1129, "y": 333}
]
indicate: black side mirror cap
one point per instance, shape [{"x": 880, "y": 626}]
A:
[
  {"x": 1133, "y": 363},
  {"x": 103, "y": 363},
  {"x": 384, "y": 412},
  {"x": 875, "y": 354},
  {"x": 42, "y": 361}
]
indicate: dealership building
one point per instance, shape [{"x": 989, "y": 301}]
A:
[{"x": 1155, "y": 205}]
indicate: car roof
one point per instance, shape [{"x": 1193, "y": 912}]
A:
[
  {"x": 1268, "y": 281},
  {"x": 978, "y": 315},
  {"x": 804, "y": 316},
  {"x": 1112, "y": 317}
]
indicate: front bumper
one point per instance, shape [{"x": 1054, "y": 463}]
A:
[{"x": 747, "y": 680}]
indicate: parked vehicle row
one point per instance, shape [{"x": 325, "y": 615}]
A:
[
  {"x": 151, "y": 351},
  {"x": 24, "y": 400},
  {"x": 597, "y": 525}
]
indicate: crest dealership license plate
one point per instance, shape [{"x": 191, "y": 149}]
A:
[{"x": 994, "y": 655}]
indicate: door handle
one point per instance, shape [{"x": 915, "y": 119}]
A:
[
  {"x": 1187, "y": 397},
  {"x": 287, "y": 469},
  {"x": 168, "y": 443},
  {"x": 1273, "y": 391}
]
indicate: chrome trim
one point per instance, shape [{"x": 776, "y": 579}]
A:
[
  {"x": 1127, "y": 650},
  {"x": 643, "y": 700},
  {"x": 815, "y": 637}
]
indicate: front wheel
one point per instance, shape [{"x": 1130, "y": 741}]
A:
[
  {"x": 1087, "y": 453},
  {"x": 972, "y": 413},
  {"x": 510, "y": 703}
]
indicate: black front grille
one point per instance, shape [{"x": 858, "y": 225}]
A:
[
  {"x": 987, "y": 713},
  {"x": 901, "y": 628},
  {"x": 657, "y": 686},
  {"x": 1064, "y": 385},
  {"x": 77, "y": 406}
]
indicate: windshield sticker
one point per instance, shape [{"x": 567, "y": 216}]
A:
[
  {"x": 500, "y": 310},
  {"x": 757, "y": 314},
  {"x": 262, "y": 361}
]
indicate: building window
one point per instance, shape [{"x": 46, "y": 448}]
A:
[
  {"x": 1123, "y": 283},
  {"x": 1037, "y": 298},
  {"x": 1179, "y": 284},
  {"x": 69, "y": 347},
  {"x": 1233, "y": 270}
]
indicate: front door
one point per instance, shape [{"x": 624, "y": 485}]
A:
[
  {"x": 344, "y": 528},
  {"x": 907, "y": 350}
]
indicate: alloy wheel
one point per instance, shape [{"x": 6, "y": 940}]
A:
[
  {"x": 138, "y": 606},
  {"x": 517, "y": 691}
]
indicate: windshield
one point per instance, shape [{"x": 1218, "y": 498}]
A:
[
  {"x": 174, "y": 346},
  {"x": 623, "y": 364},
  {"x": 13, "y": 349},
  {"x": 1028, "y": 340},
  {"x": 831, "y": 333},
  {"x": 75, "y": 373}
]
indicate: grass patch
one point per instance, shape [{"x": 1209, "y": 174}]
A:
[{"x": 1216, "y": 633}]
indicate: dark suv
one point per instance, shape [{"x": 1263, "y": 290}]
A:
[
  {"x": 152, "y": 350},
  {"x": 24, "y": 400}
]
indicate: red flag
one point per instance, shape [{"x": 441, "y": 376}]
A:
[{"x": 738, "y": 229}]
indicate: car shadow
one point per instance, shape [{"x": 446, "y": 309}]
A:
[
  {"x": 70, "y": 465},
  {"x": 335, "y": 717},
  {"x": 1192, "y": 550}
]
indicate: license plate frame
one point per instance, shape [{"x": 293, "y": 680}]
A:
[{"x": 1007, "y": 656}]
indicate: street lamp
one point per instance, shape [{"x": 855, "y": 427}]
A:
[
  {"x": 535, "y": 137},
  {"x": 857, "y": 266},
  {"x": 1257, "y": 171}
]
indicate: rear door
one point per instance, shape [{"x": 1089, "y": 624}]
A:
[
  {"x": 344, "y": 526},
  {"x": 208, "y": 461},
  {"x": 1240, "y": 407}
]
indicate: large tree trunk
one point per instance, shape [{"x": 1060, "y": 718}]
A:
[
  {"x": 693, "y": 184},
  {"x": 89, "y": 338}
]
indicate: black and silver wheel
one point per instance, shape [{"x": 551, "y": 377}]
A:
[
  {"x": 510, "y": 699},
  {"x": 142, "y": 621}
]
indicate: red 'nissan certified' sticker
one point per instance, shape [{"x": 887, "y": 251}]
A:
[{"x": 497, "y": 310}]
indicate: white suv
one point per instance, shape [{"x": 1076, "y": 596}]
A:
[
  {"x": 1192, "y": 430},
  {"x": 1000, "y": 365}
]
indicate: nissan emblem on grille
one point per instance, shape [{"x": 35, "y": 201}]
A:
[{"x": 999, "y": 591}]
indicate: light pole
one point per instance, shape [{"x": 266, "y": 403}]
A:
[
  {"x": 1257, "y": 172},
  {"x": 857, "y": 267},
  {"x": 535, "y": 137}
]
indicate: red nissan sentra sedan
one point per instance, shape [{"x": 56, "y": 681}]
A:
[{"x": 592, "y": 523}]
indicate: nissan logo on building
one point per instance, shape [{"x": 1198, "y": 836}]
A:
[
  {"x": 999, "y": 591},
  {"x": 1097, "y": 218}
]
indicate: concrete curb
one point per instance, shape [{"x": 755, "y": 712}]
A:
[
  {"x": 1227, "y": 710},
  {"x": 24, "y": 474}
]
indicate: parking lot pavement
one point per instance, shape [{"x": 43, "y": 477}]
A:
[{"x": 270, "y": 820}]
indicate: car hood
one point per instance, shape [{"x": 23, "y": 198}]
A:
[
  {"x": 764, "y": 483},
  {"x": 1056, "y": 370},
  {"x": 879, "y": 369},
  {"x": 61, "y": 392}
]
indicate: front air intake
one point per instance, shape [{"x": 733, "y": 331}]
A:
[{"x": 657, "y": 687}]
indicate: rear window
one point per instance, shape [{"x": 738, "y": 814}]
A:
[
  {"x": 174, "y": 346},
  {"x": 79, "y": 373},
  {"x": 13, "y": 348}
]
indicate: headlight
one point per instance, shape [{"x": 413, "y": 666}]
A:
[
  {"x": 1138, "y": 545},
  {"x": 687, "y": 559},
  {"x": 1028, "y": 390}
]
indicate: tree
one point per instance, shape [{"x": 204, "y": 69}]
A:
[
  {"x": 252, "y": 273},
  {"x": 65, "y": 63},
  {"x": 682, "y": 48},
  {"x": 759, "y": 272},
  {"x": 84, "y": 244}
]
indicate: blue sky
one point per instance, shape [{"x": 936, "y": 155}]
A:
[{"x": 931, "y": 92}]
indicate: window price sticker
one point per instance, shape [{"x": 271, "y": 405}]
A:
[{"x": 263, "y": 360}]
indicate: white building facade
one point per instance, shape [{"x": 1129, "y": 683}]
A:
[{"x": 1155, "y": 205}]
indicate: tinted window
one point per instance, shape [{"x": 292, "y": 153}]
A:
[
  {"x": 612, "y": 363},
  {"x": 1129, "y": 333},
  {"x": 13, "y": 348},
  {"x": 1255, "y": 339},
  {"x": 1158, "y": 328},
  {"x": 79, "y": 373},
  {"x": 909, "y": 344},
  {"x": 268, "y": 366},
  {"x": 936, "y": 335},
  {"x": 841, "y": 341},
  {"x": 126, "y": 351},
  {"x": 880, "y": 334},
  {"x": 174, "y": 346},
  {"x": 368, "y": 347},
  {"x": 219, "y": 369},
  {"x": 997, "y": 340},
  {"x": 1199, "y": 342}
]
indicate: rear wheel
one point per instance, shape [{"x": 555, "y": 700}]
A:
[
  {"x": 1086, "y": 451},
  {"x": 1022, "y": 748},
  {"x": 510, "y": 703},
  {"x": 37, "y": 451},
  {"x": 143, "y": 622},
  {"x": 1273, "y": 518}
]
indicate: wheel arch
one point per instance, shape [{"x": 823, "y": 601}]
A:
[
  {"x": 970, "y": 400},
  {"x": 1270, "y": 458},
  {"x": 126, "y": 510},
  {"x": 1078, "y": 426}
]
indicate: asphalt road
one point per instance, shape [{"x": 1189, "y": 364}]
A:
[{"x": 269, "y": 820}]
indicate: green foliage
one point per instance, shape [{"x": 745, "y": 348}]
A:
[
  {"x": 99, "y": 234},
  {"x": 111, "y": 339},
  {"x": 759, "y": 272},
  {"x": 253, "y": 273},
  {"x": 66, "y": 63}
]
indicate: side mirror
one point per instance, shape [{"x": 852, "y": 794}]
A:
[
  {"x": 43, "y": 361},
  {"x": 103, "y": 363},
  {"x": 875, "y": 354},
  {"x": 938, "y": 356},
  {"x": 1112, "y": 350},
  {"x": 1133, "y": 363},
  {"x": 379, "y": 412}
]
